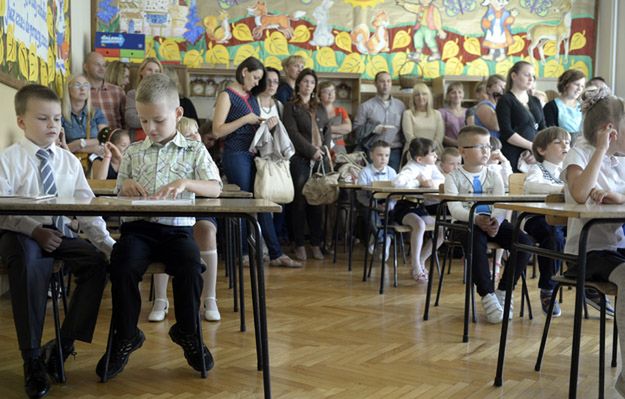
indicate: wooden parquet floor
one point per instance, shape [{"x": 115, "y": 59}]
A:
[{"x": 333, "y": 336}]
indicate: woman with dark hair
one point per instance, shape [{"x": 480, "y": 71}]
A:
[
  {"x": 565, "y": 110},
  {"x": 306, "y": 121},
  {"x": 519, "y": 114},
  {"x": 237, "y": 117},
  {"x": 485, "y": 115}
]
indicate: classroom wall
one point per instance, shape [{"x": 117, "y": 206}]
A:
[{"x": 612, "y": 25}]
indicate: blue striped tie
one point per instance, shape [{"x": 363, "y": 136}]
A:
[
  {"x": 49, "y": 187},
  {"x": 477, "y": 189}
]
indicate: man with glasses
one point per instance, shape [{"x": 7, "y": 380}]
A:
[{"x": 109, "y": 98}]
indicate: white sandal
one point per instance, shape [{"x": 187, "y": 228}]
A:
[
  {"x": 159, "y": 310},
  {"x": 211, "y": 315}
]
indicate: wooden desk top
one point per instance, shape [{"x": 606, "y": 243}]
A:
[
  {"x": 583, "y": 211},
  {"x": 349, "y": 186},
  {"x": 391, "y": 190},
  {"x": 487, "y": 197},
  {"x": 114, "y": 205},
  {"x": 101, "y": 191}
]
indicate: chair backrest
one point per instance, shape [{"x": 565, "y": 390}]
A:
[
  {"x": 96, "y": 184},
  {"x": 555, "y": 220},
  {"x": 231, "y": 187},
  {"x": 516, "y": 183}
]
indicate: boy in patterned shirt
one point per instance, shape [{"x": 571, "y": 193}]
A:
[{"x": 164, "y": 165}]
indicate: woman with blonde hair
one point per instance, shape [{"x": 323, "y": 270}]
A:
[
  {"x": 422, "y": 120},
  {"x": 118, "y": 73},
  {"x": 188, "y": 108},
  {"x": 149, "y": 66},
  {"x": 292, "y": 66},
  {"x": 453, "y": 113}
]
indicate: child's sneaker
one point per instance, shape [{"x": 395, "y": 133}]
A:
[
  {"x": 593, "y": 299},
  {"x": 545, "y": 299},
  {"x": 492, "y": 308},
  {"x": 501, "y": 298}
]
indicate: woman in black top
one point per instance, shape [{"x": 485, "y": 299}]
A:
[{"x": 519, "y": 114}]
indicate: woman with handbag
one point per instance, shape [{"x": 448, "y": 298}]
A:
[
  {"x": 237, "y": 117},
  {"x": 306, "y": 122}
]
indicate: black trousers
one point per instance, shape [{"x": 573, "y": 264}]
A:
[
  {"x": 30, "y": 269},
  {"x": 140, "y": 244},
  {"x": 301, "y": 211},
  {"x": 480, "y": 266},
  {"x": 547, "y": 237}
]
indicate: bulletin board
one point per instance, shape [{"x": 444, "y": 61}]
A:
[
  {"x": 35, "y": 42},
  {"x": 444, "y": 37}
]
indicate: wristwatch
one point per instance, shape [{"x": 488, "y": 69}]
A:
[{"x": 83, "y": 143}]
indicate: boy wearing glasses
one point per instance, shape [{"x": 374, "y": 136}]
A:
[{"x": 474, "y": 176}]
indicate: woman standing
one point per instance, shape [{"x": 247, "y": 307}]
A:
[
  {"x": 237, "y": 117},
  {"x": 565, "y": 110},
  {"x": 292, "y": 66},
  {"x": 148, "y": 67},
  {"x": 453, "y": 114},
  {"x": 421, "y": 120},
  {"x": 339, "y": 123},
  {"x": 519, "y": 114},
  {"x": 306, "y": 122},
  {"x": 485, "y": 115}
]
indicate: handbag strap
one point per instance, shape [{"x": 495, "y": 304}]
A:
[{"x": 329, "y": 158}]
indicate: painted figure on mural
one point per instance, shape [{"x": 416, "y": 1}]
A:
[
  {"x": 496, "y": 24},
  {"x": 378, "y": 41},
  {"x": 322, "y": 36},
  {"x": 428, "y": 26}
]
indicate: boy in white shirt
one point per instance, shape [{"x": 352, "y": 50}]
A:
[
  {"x": 490, "y": 224},
  {"x": 450, "y": 160},
  {"x": 29, "y": 244},
  {"x": 550, "y": 146}
]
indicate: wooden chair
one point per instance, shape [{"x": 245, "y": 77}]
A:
[
  {"x": 102, "y": 187},
  {"x": 604, "y": 289},
  {"x": 56, "y": 289},
  {"x": 154, "y": 268}
]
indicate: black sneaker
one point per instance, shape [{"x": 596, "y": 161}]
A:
[
  {"x": 593, "y": 299},
  {"x": 545, "y": 299},
  {"x": 191, "y": 347},
  {"x": 51, "y": 359},
  {"x": 120, "y": 352},
  {"x": 35, "y": 378}
]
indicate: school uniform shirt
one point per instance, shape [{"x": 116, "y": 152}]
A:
[
  {"x": 407, "y": 177},
  {"x": 611, "y": 177},
  {"x": 544, "y": 178},
  {"x": 460, "y": 181},
  {"x": 368, "y": 175},
  {"x": 504, "y": 169},
  {"x": 19, "y": 175},
  {"x": 154, "y": 165}
]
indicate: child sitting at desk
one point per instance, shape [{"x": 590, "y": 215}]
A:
[
  {"x": 378, "y": 170},
  {"x": 164, "y": 165},
  {"x": 205, "y": 235},
  {"x": 550, "y": 146},
  {"x": 107, "y": 166},
  {"x": 490, "y": 225},
  {"x": 450, "y": 160},
  {"x": 593, "y": 173},
  {"x": 420, "y": 171},
  {"x": 35, "y": 166}
]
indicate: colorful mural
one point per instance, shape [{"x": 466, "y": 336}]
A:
[
  {"x": 34, "y": 42},
  {"x": 445, "y": 37}
]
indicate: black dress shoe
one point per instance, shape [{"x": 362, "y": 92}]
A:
[
  {"x": 35, "y": 379},
  {"x": 191, "y": 347},
  {"x": 120, "y": 352},
  {"x": 51, "y": 360}
]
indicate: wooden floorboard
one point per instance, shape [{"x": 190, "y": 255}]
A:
[{"x": 333, "y": 336}]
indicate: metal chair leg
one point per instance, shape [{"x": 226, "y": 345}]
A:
[{"x": 543, "y": 340}]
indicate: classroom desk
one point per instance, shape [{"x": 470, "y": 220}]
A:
[
  {"x": 229, "y": 208},
  {"x": 595, "y": 214},
  {"x": 410, "y": 193},
  {"x": 351, "y": 189},
  {"x": 441, "y": 221}
]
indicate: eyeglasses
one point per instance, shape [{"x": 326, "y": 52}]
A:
[
  {"x": 482, "y": 147},
  {"x": 77, "y": 85}
]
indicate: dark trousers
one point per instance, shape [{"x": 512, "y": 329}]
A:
[
  {"x": 301, "y": 211},
  {"x": 30, "y": 269},
  {"x": 547, "y": 237},
  {"x": 480, "y": 266},
  {"x": 140, "y": 244}
]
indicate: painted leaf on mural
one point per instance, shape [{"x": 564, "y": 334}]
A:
[
  {"x": 273, "y": 61},
  {"x": 502, "y": 67},
  {"x": 376, "y": 64},
  {"x": 247, "y": 50},
  {"x": 1, "y": 47},
  {"x": 149, "y": 47},
  {"x": 517, "y": 46},
  {"x": 11, "y": 44},
  {"x": 33, "y": 64},
  {"x": 478, "y": 68},
  {"x": 193, "y": 59},
  {"x": 451, "y": 49},
  {"x": 43, "y": 74},
  {"x": 578, "y": 40},
  {"x": 352, "y": 64},
  {"x": 169, "y": 50},
  {"x": 301, "y": 34},
  {"x": 402, "y": 39},
  {"x": 242, "y": 33},
  {"x": 472, "y": 46},
  {"x": 344, "y": 41},
  {"x": 553, "y": 69},
  {"x": 538, "y": 7},
  {"x": 217, "y": 54},
  {"x": 454, "y": 66},
  {"x": 401, "y": 66},
  {"x": 307, "y": 56},
  {"x": 550, "y": 48},
  {"x": 52, "y": 69},
  {"x": 581, "y": 66},
  {"x": 22, "y": 59},
  {"x": 431, "y": 69},
  {"x": 276, "y": 44},
  {"x": 326, "y": 57}
]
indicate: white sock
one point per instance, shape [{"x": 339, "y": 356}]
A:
[{"x": 210, "y": 278}]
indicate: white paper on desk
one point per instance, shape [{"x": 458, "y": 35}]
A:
[{"x": 382, "y": 128}]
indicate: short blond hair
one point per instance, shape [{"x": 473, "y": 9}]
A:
[
  {"x": 153, "y": 89},
  {"x": 187, "y": 126}
]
